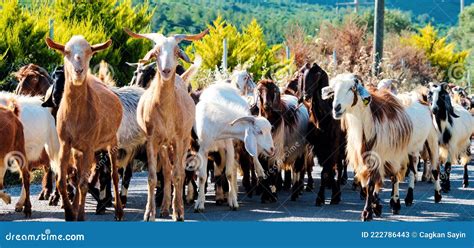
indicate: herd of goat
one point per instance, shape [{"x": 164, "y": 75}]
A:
[{"x": 86, "y": 133}]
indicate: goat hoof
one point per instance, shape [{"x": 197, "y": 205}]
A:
[
  {"x": 123, "y": 199},
  {"x": 319, "y": 202},
  {"x": 465, "y": 184},
  {"x": 179, "y": 218},
  {"x": 42, "y": 196},
  {"x": 409, "y": 197},
  {"x": 27, "y": 212},
  {"x": 396, "y": 206},
  {"x": 7, "y": 199},
  {"x": 149, "y": 216},
  {"x": 445, "y": 188},
  {"x": 335, "y": 201},
  {"x": 18, "y": 209},
  {"x": 69, "y": 215},
  {"x": 378, "y": 209},
  {"x": 199, "y": 210},
  {"x": 234, "y": 208},
  {"x": 100, "y": 210},
  {"x": 164, "y": 214},
  {"x": 366, "y": 215},
  {"x": 220, "y": 202},
  {"x": 437, "y": 196}
]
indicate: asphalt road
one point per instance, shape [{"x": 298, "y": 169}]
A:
[{"x": 457, "y": 205}]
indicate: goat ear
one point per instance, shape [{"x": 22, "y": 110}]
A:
[
  {"x": 327, "y": 92},
  {"x": 184, "y": 56},
  {"x": 148, "y": 56},
  {"x": 101, "y": 46},
  {"x": 48, "y": 98},
  {"x": 449, "y": 106},
  {"x": 54, "y": 45},
  {"x": 250, "y": 142}
]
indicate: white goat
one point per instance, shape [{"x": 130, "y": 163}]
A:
[
  {"x": 456, "y": 126},
  {"x": 381, "y": 132},
  {"x": 223, "y": 115},
  {"x": 39, "y": 132}
]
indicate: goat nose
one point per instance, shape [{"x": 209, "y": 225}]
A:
[
  {"x": 79, "y": 70},
  {"x": 337, "y": 108},
  {"x": 166, "y": 71},
  {"x": 272, "y": 150}
]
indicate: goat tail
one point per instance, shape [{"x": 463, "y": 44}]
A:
[
  {"x": 192, "y": 70},
  {"x": 193, "y": 161}
]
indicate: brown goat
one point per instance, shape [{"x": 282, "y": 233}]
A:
[
  {"x": 33, "y": 80},
  {"x": 12, "y": 149},
  {"x": 166, "y": 113},
  {"x": 87, "y": 121}
]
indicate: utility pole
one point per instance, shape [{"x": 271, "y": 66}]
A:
[
  {"x": 51, "y": 28},
  {"x": 462, "y": 5},
  {"x": 224, "y": 54},
  {"x": 378, "y": 35}
]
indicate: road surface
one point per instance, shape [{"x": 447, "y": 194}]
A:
[{"x": 458, "y": 205}]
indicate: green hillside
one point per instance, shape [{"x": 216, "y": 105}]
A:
[{"x": 276, "y": 16}]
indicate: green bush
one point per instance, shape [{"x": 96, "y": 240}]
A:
[
  {"x": 25, "y": 28},
  {"x": 247, "y": 49},
  {"x": 464, "y": 37},
  {"x": 440, "y": 53}
]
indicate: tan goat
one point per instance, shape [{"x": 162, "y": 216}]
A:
[
  {"x": 87, "y": 121},
  {"x": 166, "y": 114}
]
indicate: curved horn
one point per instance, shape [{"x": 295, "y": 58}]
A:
[
  {"x": 250, "y": 119},
  {"x": 149, "y": 36},
  {"x": 193, "y": 37},
  {"x": 54, "y": 45},
  {"x": 184, "y": 56},
  {"x": 150, "y": 64},
  {"x": 131, "y": 64},
  {"x": 148, "y": 56}
]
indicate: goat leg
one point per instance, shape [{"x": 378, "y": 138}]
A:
[
  {"x": 64, "y": 155},
  {"x": 367, "y": 213},
  {"x": 445, "y": 182},
  {"x": 113, "y": 159},
  {"x": 25, "y": 174}
]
